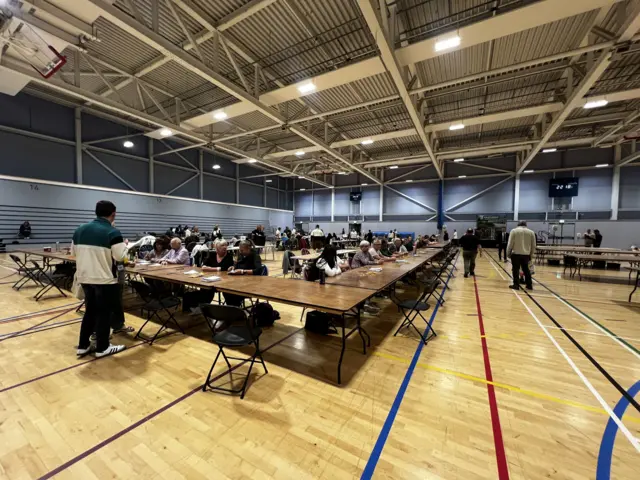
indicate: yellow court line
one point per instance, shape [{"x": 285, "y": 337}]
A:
[{"x": 504, "y": 386}]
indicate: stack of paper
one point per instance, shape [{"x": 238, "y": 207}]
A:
[
  {"x": 375, "y": 269},
  {"x": 212, "y": 278},
  {"x": 191, "y": 272}
]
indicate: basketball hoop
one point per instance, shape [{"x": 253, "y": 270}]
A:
[{"x": 24, "y": 41}]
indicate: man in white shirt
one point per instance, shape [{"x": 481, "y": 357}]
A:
[
  {"x": 317, "y": 237},
  {"x": 521, "y": 247},
  {"x": 187, "y": 232},
  {"x": 374, "y": 251},
  {"x": 353, "y": 235}
]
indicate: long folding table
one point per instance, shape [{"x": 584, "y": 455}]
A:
[
  {"x": 583, "y": 259},
  {"x": 635, "y": 270}
]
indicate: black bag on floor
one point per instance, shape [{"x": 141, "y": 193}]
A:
[
  {"x": 319, "y": 322},
  {"x": 264, "y": 315}
]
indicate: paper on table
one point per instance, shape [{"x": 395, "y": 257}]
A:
[
  {"x": 155, "y": 264},
  {"x": 375, "y": 269},
  {"x": 191, "y": 272},
  {"x": 212, "y": 278}
]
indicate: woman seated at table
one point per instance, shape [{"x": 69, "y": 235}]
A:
[
  {"x": 219, "y": 261},
  {"x": 159, "y": 250},
  {"x": 330, "y": 263}
]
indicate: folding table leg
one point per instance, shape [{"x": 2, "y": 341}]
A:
[{"x": 344, "y": 341}]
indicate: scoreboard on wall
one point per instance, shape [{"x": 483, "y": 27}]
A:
[{"x": 563, "y": 187}]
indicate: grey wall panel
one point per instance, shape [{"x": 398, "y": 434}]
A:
[
  {"x": 587, "y": 157},
  {"x": 189, "y": 189},
  {"x": 36, "y": 115},
  {"x": 30, "y": 157},
  {"x": 426, "y": 193},
  {"x": 95, "y": 128},
  {"x": 182, "y": 159},
  {"x": 219, "y": 190},
  {"x": 136, "y": 173},
  {"x": 426, "y": 173},
  {"x": 342, "y": 203},
  {"x": 496, "y": 200},
  {"x": 272, "y": 198},
  {"x": 56, "y": 210},
  {"x": 167, "y": 178},
  {"x": 322, "y": 203},
  {"x": 303, "y": 204},
  {"x": 247, "y": 170},
  {"x": 534, "y": 192},
  {"x": 594, "y": 192},
  {"x": 96, "y": 175},
  {"x": 630, "y": 187},
  {"x": 370, "y": 201},
  {"x": 251, "y": 195}
]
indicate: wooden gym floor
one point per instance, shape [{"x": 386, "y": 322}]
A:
[{"x": 502, "y": 392}]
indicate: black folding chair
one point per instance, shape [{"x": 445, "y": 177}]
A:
[
  {"x": 411, "y": 309},
  {"x": 29, "y": 272},
  {"x": 51, "y": 280},
  {"x": 239, "y": 332},
  {"x": 154, "y": 305}
]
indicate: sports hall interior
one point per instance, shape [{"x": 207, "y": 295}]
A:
[{"x": 367, "y": 120}]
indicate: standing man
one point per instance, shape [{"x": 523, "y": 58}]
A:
[
  {"x": 317, "y": 238},
  {"x": 589, "y": 238},
  {"x": 96, "y": 245},
  {"x": 502, "y": 239},
  {"x": 470, "y": 244},
  {"x": 521, "y": 246},
  {"x": 258, "y": 236}
]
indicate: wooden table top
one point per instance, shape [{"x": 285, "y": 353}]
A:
[
  {"x": 67, "y": 257},
  {"x": 327, "y": 298},
  {"x": 391, "y": 272},
  {"x": 571, "y": 248},
  {"x": 633, "y": 269}
]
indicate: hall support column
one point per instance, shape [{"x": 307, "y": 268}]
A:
[
  {"x": 201, "y": 177},
  {"x": 152, "y": 187},
  {"x": 516, "y": 198},
  {"x": 78, "y": 134},
  {"x": 381, "y": 195},
  {"x": 615, "y": 183},
  {"x": 333, "y": 197}
]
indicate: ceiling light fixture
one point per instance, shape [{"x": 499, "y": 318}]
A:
[
  {"x": 165, "y": 132},
  {"x": 364, "y": 184},
  {"x": 342, "y": 173},
  {"x": 301, "y": 177},
  {"x": 409, "y": 181},
  {"x": 330, "y": 186},
  {"x": 368, "y": 141},
  {"x": 128, "y": 144},
  {"x": 602, "y": 165},
  {"x": 220, "y": 115},
  {"x": 252, "y": 160},
  {"x": 462, "y": 176},
  {"x": 528, "y": 171},
  {"x": 393, "y": 167},
  {"x": 447, "y": 43},
  {"x": 216, "y": 167},
  {"x": 268, "y": 181},
  {"x": 458, "y": 160},
  {"x": 596, "y": 103},
  {"x": 300, "y": 153},
  {"x": 302, "y": 189},
  {"x": 456, "y": 126},
  {"x": 306, "y": 87},
  {"x": 549, "y": 150}
]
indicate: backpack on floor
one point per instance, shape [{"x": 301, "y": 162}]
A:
[
  {"x": 264, "y": 315},
  {"x": 319, "y": 322}
]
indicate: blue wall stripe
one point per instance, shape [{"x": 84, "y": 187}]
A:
[
  {"x": 605, "y": 455},
  {"x": 391, "y": 416}
]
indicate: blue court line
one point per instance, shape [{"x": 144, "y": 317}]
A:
[
  {"x": 603, "y": 471},
  {"x": 370, "y": 468}
]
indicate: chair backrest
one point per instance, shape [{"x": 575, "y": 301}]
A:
[
  {"x": 227, "y": 314},
  {"x": 21, "y": 266},
  {"x": 144, "y": 290}
]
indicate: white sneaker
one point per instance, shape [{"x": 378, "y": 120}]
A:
[
  {"x": 81, "y": 352},
  {"x": 110, "y": 350}
]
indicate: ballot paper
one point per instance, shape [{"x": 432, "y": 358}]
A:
[
  {"x": 191, "y": 272},
  {"x": 375, "y": 269},
  {"x": 212, "y": 278}
]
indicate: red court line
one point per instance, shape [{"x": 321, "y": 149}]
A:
[{"x": 501, "y": 457}]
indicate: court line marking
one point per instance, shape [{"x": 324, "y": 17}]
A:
[
  {"x": 504, "y": 386},
  {"x": 43, "y": 328},
  {"x": 36, "y": 314},
  {"x": 501, "y": 456},
  {"x": 374, "y": 457},
  {"x": 36, "y": 326},
  {"x": 605, "y": 454},
  {"x": 152, "y": 415},
  {"x": 594, "y": 392}
]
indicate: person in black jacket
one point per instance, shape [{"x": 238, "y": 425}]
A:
[
  {"x": 470, "y": 244},
  {"x": 502, "y": 239},
  {"x": 598, "y": 240},
  {"x": 249, "y": 263},
  {"x": 217, "y": 261},
  {"x": 258, "y": 236},
  {"x": 25, "y": 230}
]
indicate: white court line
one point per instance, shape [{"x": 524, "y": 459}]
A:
[
  {"x": 604, "y": 333},
  {"x": 634, "y": 441}
]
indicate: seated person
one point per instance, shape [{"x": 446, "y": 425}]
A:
[
  {"x": 219, "y": 260},
  {"x": 363, "y": 257},
  {"x": 398, "y": 247},
  {"x": 177, "y": 255},
  {"x": 330, "y": 263},
  {"x": 249, "y": 263},
  {"x": 374, "y": 251},
  {"x": 408, "y": 243},
  {"x": 145, "y": 240},
  {"x": 25, "y": 230},
  {"x": 159, "y": 251},
  {"x": 384, "y": 249}
]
